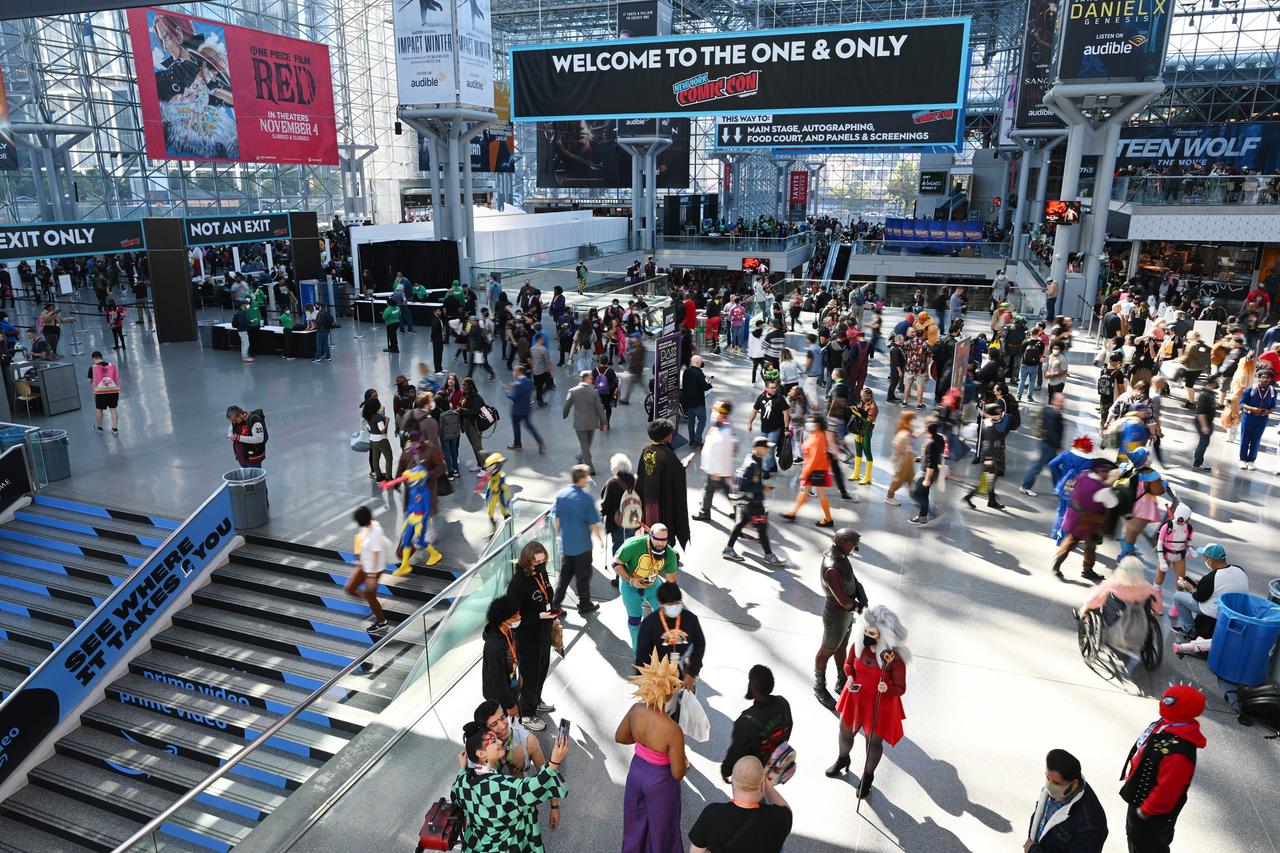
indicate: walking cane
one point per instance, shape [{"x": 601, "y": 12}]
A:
[{"x": 875, "y": 721}]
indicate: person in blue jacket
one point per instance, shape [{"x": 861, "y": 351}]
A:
[{"x": 1064, "y": 468}]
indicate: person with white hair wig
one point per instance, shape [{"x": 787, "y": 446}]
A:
[
  {"x": 620, "y": 522},
  {"x": 1129, "y": 584},
  {"x": 871, "y": 701}
]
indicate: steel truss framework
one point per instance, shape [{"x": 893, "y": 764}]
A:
[{"x": 78, "y": 70}]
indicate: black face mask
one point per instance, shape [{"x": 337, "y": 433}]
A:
[{"x": 869, "y": 641}]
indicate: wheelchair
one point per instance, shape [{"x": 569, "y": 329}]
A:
[{"x": 1104, "y": 630}]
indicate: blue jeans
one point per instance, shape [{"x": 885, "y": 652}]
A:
[
  {"x": 1046, "y": 453},
  {"x": 1050, "y": 306},
  {"x": 322, "y": 345},
  {"x": 450, "y": 447},
  {"x": 1188, "y": 608},
  {"x": 738, "y": 336},
  {"x": 771, "y": 461},
  {"x": 406, "y": 319},
  {"x": 697, "y": 423},
  {"x": 516, "y": 420},
  {"x": 1027, "y": 374}
]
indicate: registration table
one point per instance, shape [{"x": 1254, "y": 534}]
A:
[
  {"x": 297, "y": 343},
  {"x": 370, "y": 310}
]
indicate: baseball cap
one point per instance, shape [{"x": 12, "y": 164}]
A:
[
  {"x": 761, "y": 441},
  {"x": 1213, "y": 551}
]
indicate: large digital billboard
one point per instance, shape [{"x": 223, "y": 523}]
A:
[
  {"x": 840, "y": 69},
  {"x": 491, "y": 151},
  {"x": 587, "y": 154},
  {"x": 888, "y": 130},
  {"x": 1245, "y": 145},
  {"x": 1037, "y": 60},
  {"x": 1112, "y": 39},
  {"x": 213, "y": 91}
]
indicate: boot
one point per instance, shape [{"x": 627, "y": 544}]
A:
[
  {"x": 433, "y": 556},
  {"x": 820, "y": 692},
  {"x": 866, "y": 475},
  {"x": 857, "y": 470},
  {"x": 836, "y": 770},
  {"x": 864, "y": 787}
]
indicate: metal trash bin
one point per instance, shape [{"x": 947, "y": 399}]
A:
[
  {"x": 53, "y": 455},
  {"x": 1246, "y": 635},
  {"x": 248, "y": 487},
  {"x": 206, "y": 333}
]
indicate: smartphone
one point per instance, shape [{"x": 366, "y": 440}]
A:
[
  {"x": 556, "y": 614},
  {"x": 564, "y": 728}
]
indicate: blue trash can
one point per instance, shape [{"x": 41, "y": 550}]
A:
[{"x": 1247, "y": 631}]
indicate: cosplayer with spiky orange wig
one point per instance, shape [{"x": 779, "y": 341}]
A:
[{"x": 651, "y": 803}]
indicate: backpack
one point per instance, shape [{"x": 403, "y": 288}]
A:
[
  {"x": 859, "y": 297},
  {"x": 630, "y": 514},
  {"x": 1015, "y": 413},
  {"x": 488, "y": 417},
  {"x": 1261, "y": 703},
  {"x": 781, "y": 765},
  {"x": 450, "y": 424},
  {"x": 602, "y": 384},
  {"x": 1106, "y": 386}
]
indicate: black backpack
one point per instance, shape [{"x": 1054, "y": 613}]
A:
[
  {"x": 1260, "y": 703},
  {"x": 1015, "y": 413},
  {"x": 1106, "y": 386}
]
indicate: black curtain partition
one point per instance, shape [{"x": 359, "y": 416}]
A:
[{"x": 433, "y": 263}]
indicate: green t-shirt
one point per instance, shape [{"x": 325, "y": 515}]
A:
[
  {"x": 253, "y": 315},
  {"x": 286, "y": 321},
  {"x": 634, "y": 554},
  {"x": 419, "y": 293},
  {"x": 391, "y": 314}
]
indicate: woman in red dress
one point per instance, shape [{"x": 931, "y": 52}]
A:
[{"x": 871, "y": 701}]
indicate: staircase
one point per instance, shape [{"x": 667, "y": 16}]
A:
[{"x": 268, "y": 629}]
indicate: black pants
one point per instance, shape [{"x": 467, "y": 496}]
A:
[
  {"x": 541, "y": 384},
  {"x": 437, "y": 354},
  {"x": 393, "y": 337},
  {"x": 575, "y": 567},
  {"x": 1202, "y": 444},
  {"x": 533, "y": 645},
  {"x": 895, "y": 383},
  {"x": 117, "y": 337},
  {"x": 714, "y": 484},
  {"x": 1152, "y": 835},
  {"x": 744, "y": 518}
]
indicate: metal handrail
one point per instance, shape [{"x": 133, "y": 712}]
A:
[{"x": 158, "y": 821}]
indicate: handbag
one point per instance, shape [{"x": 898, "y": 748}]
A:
[
  {"x": 360, "y": 440},
  {"x": 442, "y": 827}
]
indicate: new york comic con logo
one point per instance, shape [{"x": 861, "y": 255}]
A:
[{"x": 701, "y": 89}]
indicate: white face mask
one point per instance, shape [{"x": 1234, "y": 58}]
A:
[
  {"x": 515, "y": 624},
  {"x": 1058, "y": 792},
  {"x": 672, "y": 610}
]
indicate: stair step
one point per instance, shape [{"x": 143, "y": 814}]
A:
[
  {"x": 34, "y": 632},
  {"x": 306, "y": 737},
  {"x": 245, "y": 629},
  {"x": 71, "y": 542},
  {"x": 269, "y": 610},
  {"x": 320, "y": 593},
  {"x": 21, "y": 658},
  {"x": 17, "y": 837},
  {"x": 110, "y": 571},
  {"x": 58, "y": 814},
  {"x": 342, "y": 711},
  {"x": 166, "y": 770},
  {"x": 44, "y": 501},
  {"x": 201, "y": 743},
  {"x": 57, "y": 611},
  {"x": 420, "y": 585},
  {"x": 106, "y": 529},
  {"x": 57, "y": 584},
  {"x": 9, "y": 681}
]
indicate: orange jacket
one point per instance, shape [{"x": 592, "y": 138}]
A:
[{"x": 815, "y": 455}]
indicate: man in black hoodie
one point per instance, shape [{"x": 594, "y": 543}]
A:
[{"x": 762, "y": 727}]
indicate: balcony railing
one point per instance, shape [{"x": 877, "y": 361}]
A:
[
  {"x": 938, "y": 249},
  {"x": 1219, "y": 190},
  {"x": 734, "y": 243}
]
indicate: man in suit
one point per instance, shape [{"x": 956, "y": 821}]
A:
[{"x": 588, "y": 415}]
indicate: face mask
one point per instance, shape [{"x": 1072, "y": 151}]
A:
[
  {"x": 1058, "y": 792},
  {"x": 869, "y": 641},
  {"x": 515, "y": 624},
  {"x": 672, "y": 610}
]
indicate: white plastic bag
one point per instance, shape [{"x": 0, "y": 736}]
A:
[
  {"x": 693, "y": 718},
  {"x": 360, "y": 440}
]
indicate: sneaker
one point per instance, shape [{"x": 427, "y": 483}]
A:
[
  {"x": 544, "y": 708},
  {"x": 246, "y": 361},
  {"x": 1244, "y": 466},
  {"x": 533, "y": 724},
  {"x": 98, "y": 428},
  {"x": 730, "y": 554},
  {"x": 773, "y": 560},
  {"x": 588, "y": 610},
  {"x": 376, "y": 627},
  {"x": 893, "y": 502},
  {"x": 1027, "y": 492},
  {"x": 917, "y": 519},
  {"x": 919, "y": 405},
  {"x": 1201, "y": 468}
]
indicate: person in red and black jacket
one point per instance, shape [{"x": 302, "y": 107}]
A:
[{"x": 1159, "y": 768}]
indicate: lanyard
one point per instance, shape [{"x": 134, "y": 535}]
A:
[
  {"x": 511, "y": 649},
  {"x": 740, "y": 804},
  {"x": 666, "y": 631},
  {"x": 542, "y": 587}
]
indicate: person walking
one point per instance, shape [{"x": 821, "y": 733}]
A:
[
  {"x": 530, "y": 586},
  {"x": 605, "y": 380},
  {"x": 904, "y": 455},
  {"x": 636, "y": 356},
  {"x": 1068, "y": 817},
  {"x": 672, "y": 631},
  {"x": 1256, "y": 405},
  {"x": 371, "y": 562},
  {"x": 694, "y": 388},
  {"x": 651, "y": 799},
  {"x": 521, "y": 396},
  {"x": 751, "y": 510},
  {"x": 991, "y": 453},
  {"x": 588, "y": 416},
  {"x": 845, "y": 597},
  {"x": 718, "y": 454},
  {"x": 374, "y": 419},
  {"x": 105, "y": 381},
  {"x": 815, "y": 474},
  {"x": 1206, "y": 406},
  {"x": 775, "y": 417},
  {"x": 756, "y": 820},
  {"x": 620, "y": 505},
  {"x": 661, "y": 482},
  {"x": 931, "y": 469},
  {"x": 1091, "y": 497},
  {"x": 469, "y": 410},
  {"x": 871, "y": 701},
  {"x": 240, "y": 322},
  {"x": 640, "y": 563},
  {"x": 1053, "y": 427},
  {"x": 762, "y": 728},
  {"x": 578, "y": 523},
  {"x": 115, "y": 320},
  {"x": 1159, "y": 769}
]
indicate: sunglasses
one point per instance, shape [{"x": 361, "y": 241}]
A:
[{"x": 658, "y": 538}]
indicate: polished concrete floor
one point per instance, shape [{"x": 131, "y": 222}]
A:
[{"x": 996, "y": 678}]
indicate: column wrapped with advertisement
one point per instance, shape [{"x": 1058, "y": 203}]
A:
[
  {"x": 1035, "y": 66},
  {"x": 8, "y": 147},
  {"x": 1119, "y": 40},
  {"x": 444, "y": 53}
]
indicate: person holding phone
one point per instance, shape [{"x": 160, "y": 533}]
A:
[
  {"x": 871, "y": 701},
  {"x": 501, "y": 810},
  {"x": 531, "y": 588}
]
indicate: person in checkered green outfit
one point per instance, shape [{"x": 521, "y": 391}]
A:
[{"x": 502, "y": 811}]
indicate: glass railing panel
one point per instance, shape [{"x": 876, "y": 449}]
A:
[{"x": 1219, "y": 190}]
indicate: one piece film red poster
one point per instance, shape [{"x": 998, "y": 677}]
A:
[{"x": 214, "y": 91}]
